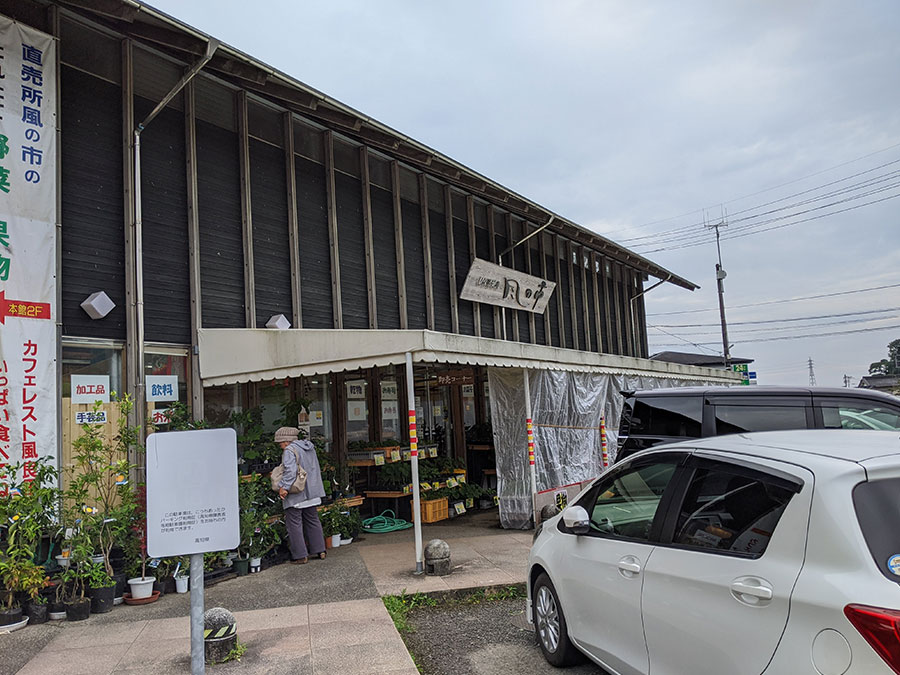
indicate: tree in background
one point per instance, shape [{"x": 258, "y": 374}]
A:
[{"x": 890, "y": 365}]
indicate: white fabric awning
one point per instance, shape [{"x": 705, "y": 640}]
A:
[{"x": 233, "y": 355}]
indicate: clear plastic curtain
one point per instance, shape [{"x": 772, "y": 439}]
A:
[{"x": 566, "y": 408}]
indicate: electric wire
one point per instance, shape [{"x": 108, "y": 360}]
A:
[
  {"x": 781, "y": 301},
  {"x": 795, "y": 318}
]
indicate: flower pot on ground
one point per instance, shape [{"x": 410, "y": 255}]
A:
[
  {"x": 36, "y": 612},
  {"x": 327, "y": 542},
  {"x": 181, "y": 584},
  {"x": 9, "y": 616},
  {"x": 102, "y": 588},
  {"x": 255, "y": 564},
  {"x": 241, "y": 566},
  {"x": 141, "y": 587},
  {"x": 335, "y": 540},
  {"x": 78, "y": 609},
  {"x": 121, "y": 580}
]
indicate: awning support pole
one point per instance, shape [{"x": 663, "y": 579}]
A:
[
  {"x": 529, "y": 428},
  {"x": 414, "y": 460}
]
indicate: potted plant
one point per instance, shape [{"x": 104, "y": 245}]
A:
[
  {"x": 101, "y": 588},
  {"x": 141, "y": 587},
  {"x": 181, "y": 573},
  {"x": 16, "y": 571}
]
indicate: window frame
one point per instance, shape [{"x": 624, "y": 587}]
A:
[
  {"x": 852, "y": 402},
  {"x": 737, "y": 466},
  {"x": 588, "y": 500}
]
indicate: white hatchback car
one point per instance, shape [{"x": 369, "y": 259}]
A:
[{"x": 774, "y": 552}]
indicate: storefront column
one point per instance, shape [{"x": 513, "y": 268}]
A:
[
  {"x": 414, "y": 461},
  {"x": 529, "y": 428}
]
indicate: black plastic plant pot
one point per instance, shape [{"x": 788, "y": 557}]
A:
[
  {"x": 36, "y": 612},
  {"x": 158, "y": 585},
  {"x": 10, "y": 616},
  {"x": 102, "y": 599},
  {"x": 78, "y": 610},
  {"x": 241, "y": 566},
  {"x": 121, "y": 584}
]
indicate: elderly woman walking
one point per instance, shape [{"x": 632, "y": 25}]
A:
[{"x": 300, "y": 515}]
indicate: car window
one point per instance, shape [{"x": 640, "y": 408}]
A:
[
  {"x": 727, "y": 509},
  {"x": 840, "y": 415},
  {"x": 877, "y": 505},
  {"x": 736, "y": 419},
  {"x": 626, "y": 503},
  {"x": 676, "y": 416}
]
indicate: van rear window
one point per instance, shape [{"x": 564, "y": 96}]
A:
[
  {"x": 675, "y": 416},
  {"x": 877, "y": 505}
]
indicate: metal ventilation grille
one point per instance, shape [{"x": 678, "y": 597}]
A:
[
  {"x": 154, "y": 77},
  {"x": 214, "y": 103},
  {"x": 386, "y": 287},
  {"x": 90, "y": 51},
  {"x": 352, "y": 249},
  {"x": 315, "y": 255}
]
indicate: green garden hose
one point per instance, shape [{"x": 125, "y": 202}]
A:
[{"x": 386, "y": 522}]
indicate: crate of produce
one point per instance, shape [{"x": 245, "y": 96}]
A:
[{"x": 433, "y": 510}]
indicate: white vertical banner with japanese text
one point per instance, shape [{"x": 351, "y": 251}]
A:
[{"x": 28, "y": 391}]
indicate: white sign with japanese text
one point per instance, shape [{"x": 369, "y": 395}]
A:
[
  {"x": 192, "y": 492},
  {"x": 161, "y": 387},
  {"x": 496, "y": 285},
  {"x": 28, "y": 217},
  {"x": 356, "y": 411},
  {"x": 356, "y": 389},
  {"x": 389, "y": 390},
  {"x": 90, "y": 389}
]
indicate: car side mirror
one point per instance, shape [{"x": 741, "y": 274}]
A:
[{"x": 576, "y": 520}]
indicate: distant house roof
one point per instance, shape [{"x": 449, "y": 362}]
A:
[
  {"x": 881, "y": 382},
  {"x": 684, "y": 358}
]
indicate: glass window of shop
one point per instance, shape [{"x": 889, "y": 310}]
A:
[
  {"x": 468, "y": 401},
  {"x": 219, "y": 403},
  {"x": 432, "y": 410},
  {"x": 356, "y": 391},
  {"x": 272, "y": 398},
  {"x": 390, "y": 404},
  {"x": 165, "y": 382},
  {"x": 317, "y": 390},
  {"x": 90, "y": 372}
]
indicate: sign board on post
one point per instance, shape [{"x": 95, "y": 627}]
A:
[{"x": 186, "y": 515}]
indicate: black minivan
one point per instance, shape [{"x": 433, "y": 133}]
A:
[{"x": 660, "y": 415}]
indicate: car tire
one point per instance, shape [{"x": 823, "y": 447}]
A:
[{"x": 550, "y": 627}]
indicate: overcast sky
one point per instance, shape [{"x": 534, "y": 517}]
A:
[{"x": 640, "y": 120}]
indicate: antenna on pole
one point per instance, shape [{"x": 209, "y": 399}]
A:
[
  {"x": 812, "y": 374},
  {"x": 720, "y": 277}
]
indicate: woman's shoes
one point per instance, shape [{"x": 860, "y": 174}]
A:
[
  {"x": 322, "y": 555},
  {"x": 300, "y": 561}
]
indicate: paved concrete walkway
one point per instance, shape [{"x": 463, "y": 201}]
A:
[
  {"x": 322, "y": 617},
  {"x": 354, "y": 636}
]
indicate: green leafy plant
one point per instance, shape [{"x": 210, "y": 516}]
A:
[
  {"x": 399, "y": 607},
  {"x": 21, "y": 574},
  {"x": 98, "y": 491},
  {"x": 96, "y": 576}
]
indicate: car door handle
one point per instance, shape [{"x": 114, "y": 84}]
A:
[
  {"x": 747, "y": 587},
  {"x": 631, "y": 567}
]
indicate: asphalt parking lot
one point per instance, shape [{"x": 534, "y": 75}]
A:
[{"x": 485, "y": 638}]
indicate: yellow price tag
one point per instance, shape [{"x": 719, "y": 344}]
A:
[{"x": 379, "y": 460}]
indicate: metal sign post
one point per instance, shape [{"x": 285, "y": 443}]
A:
[
  {"x": 414, "y": 460},
  {"x": 185, "y": 517}
]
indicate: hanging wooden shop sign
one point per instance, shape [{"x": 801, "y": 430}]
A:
[{"x": 496, "y": 285}]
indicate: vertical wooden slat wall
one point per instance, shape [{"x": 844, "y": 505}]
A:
[
  {"x": 293, "y": 220},
  {"x": 246, "y": 212},
  {"x": 367, "y": 227},
  {"x": 426, "y": 243}
]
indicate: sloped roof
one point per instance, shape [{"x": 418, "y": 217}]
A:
[{"x": 688, "y": 359}]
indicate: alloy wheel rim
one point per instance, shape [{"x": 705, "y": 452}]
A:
[{"x": 547, "y": 619}]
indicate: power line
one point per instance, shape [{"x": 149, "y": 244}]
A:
[
  {"x": 782, "y": 301},
  {"x": 775, "y": 187},
  {"x": 799, "y": 337},
  {"x": 797, "y": 318},
  {"x": 770, "y": 329},
  {"x": 693, "y": 227}
]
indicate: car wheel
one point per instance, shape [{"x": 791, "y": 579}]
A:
[{"x": 550, "y": 625}]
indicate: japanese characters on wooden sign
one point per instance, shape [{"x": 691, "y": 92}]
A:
[
  {"x": 496, "y": 285},
  {"x": 28, "y": 389}
]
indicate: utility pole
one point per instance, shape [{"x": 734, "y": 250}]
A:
[
  {"x": 812, "y": 373},
  {"x": 720, "y": 278}
]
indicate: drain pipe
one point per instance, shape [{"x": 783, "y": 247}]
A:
[
  {"x": 140, "y": 402},
  {"x": 644, "y": 292},
  {"x": 510, "y": 248}
]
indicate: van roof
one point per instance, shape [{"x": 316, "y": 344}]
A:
[
  {"x": 853, "y": 445},
  {"x": 745, "y": 391}
]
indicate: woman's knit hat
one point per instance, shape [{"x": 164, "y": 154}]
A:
[{"x": 286, "y": 434}]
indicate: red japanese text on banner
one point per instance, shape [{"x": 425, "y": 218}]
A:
[{"x": 28, "y": 189}]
